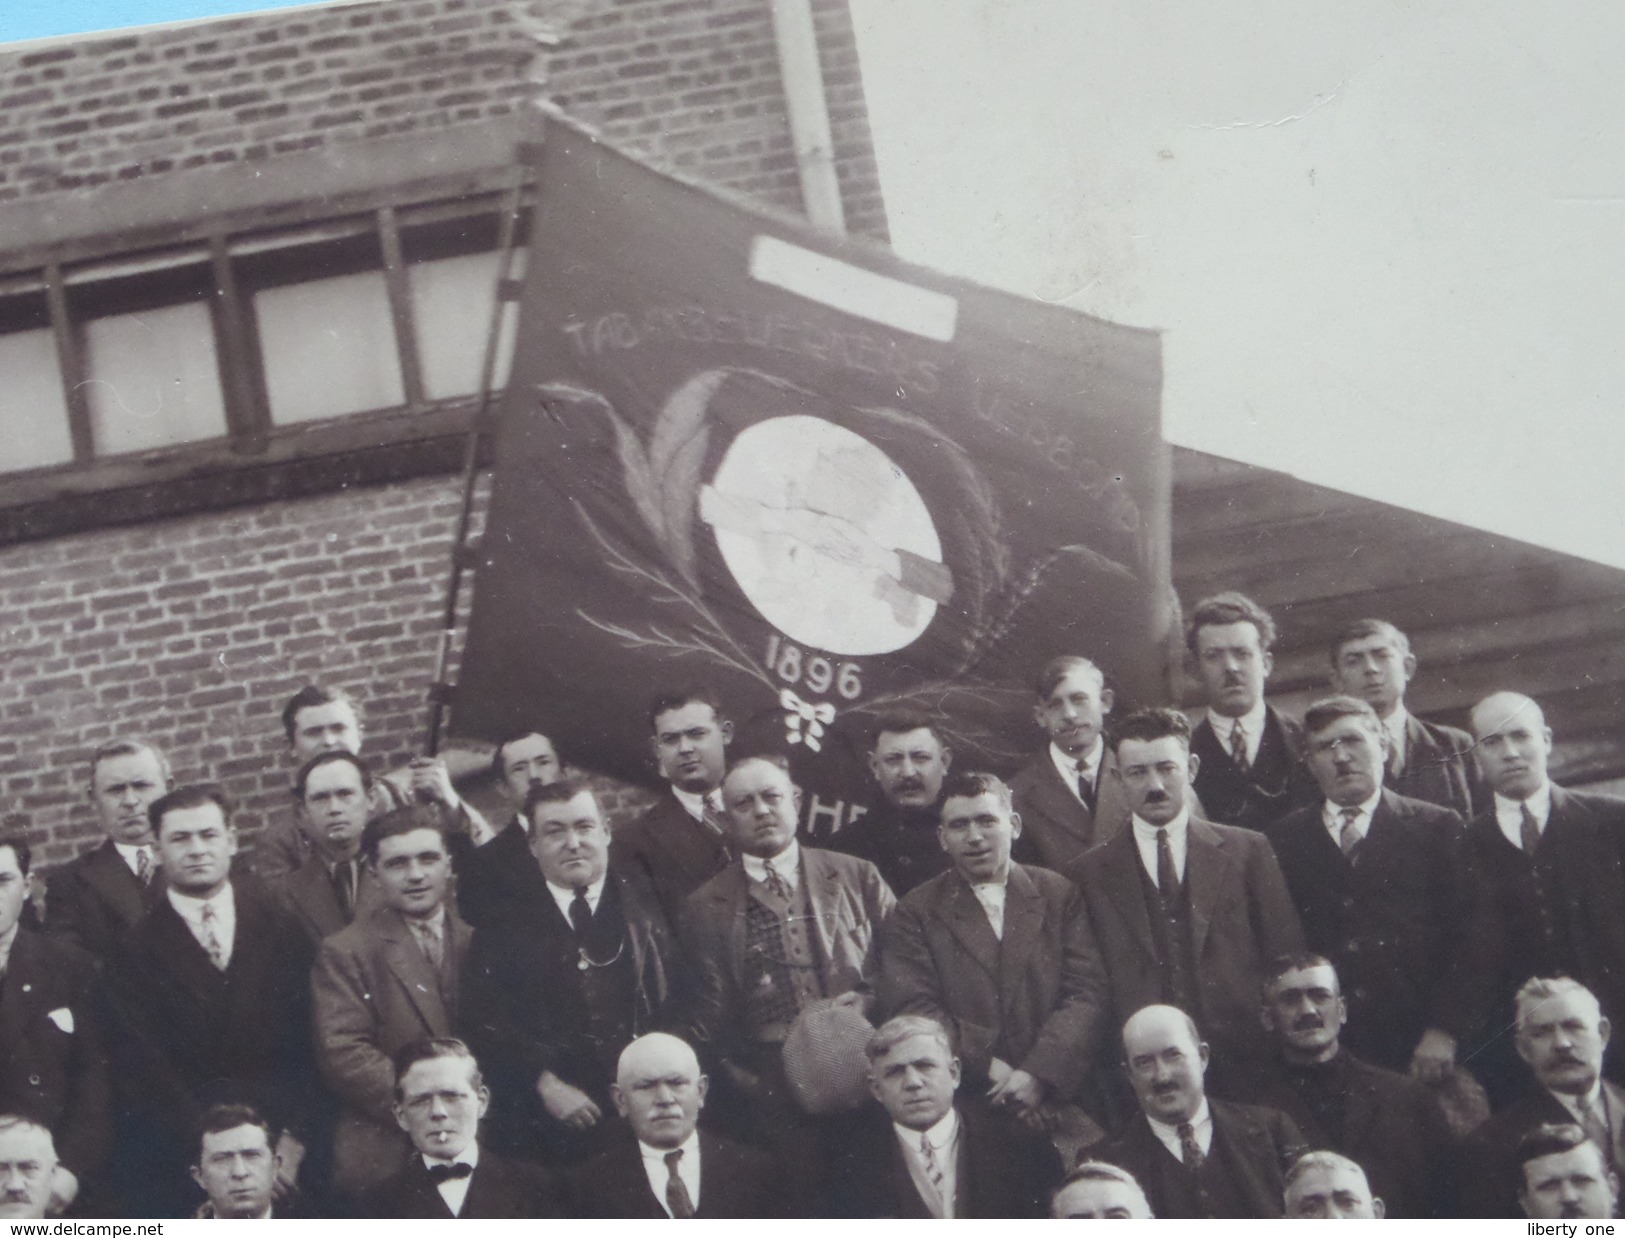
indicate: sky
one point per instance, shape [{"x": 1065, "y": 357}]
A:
[{"x": 1385, "y": 241}]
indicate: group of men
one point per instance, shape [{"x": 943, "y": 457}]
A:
[{"x": 1357, "y": 966}]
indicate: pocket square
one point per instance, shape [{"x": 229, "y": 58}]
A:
[{"x": 63, "y": 1018}]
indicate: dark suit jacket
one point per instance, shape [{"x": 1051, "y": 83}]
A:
[
  {"x": 1393, "y": 923},
  {"x": 498, "y": 1190},
  {"x": 1438, "y": 768},
  {"x": 504, "y": 870},
  {"x": 308, "y": 894},
  {"x": 1271, "y": 787},
  {"x": 671, "y": 852},
  {"x": 849, "y": 904},
  {"x": 1005, "y": 1171},
  {"x": 53, "y": 1056},
  {"x": 736, "y": 1182},
  {"x": 1055, "y": 826},
  {"x": 95, "y": 900},
  {"x": 1242, "y": 919},
  {"x": 901, "y": 844},
  {"x": 1490, "y": 1173},
  {"x": 1035, "y": 999},
  {"x": 1392, "y": 1128},
  {"x": 1258, "y": 1146}
]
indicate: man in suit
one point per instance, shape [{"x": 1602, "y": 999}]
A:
[
  {"x": 53, "y": 1062},
  {"x": 95, "y": 900},
  {"x": 1564, "y": 1176},
  {"x": 682, "y": 842},
  {"x": 1067, "y": 799},
  {"x": 1372, "y": 661},
  {"x": 898, "y": 834},
  {"x": 318, "y": 720},
  {"x": 385, "y": 982},
  {"x": 1099, "y": 1191},
  {"x": 920, "y": 1154},
  {"x": 1380, "y": 884},
  {"x": 557, "y": 984},
  {"x": 1000, "y": 953},
  {"x": 1185, "y": 912},
  {"x": 1549, "y": 885},
  {"x": 668, "y": 1167},
  {"x": 1195, "y": 1157},
  {"x": 440, "y": 1098},
  {"x": 1390, "y": 1124},
  {"x": 504, "y": 869},
  {"x": 212, "y": 1000},
  {"x": 332, "y": 886},
  {"x": 1251, "y": 771},
  {"x": 1561, "y": 1034},
  {"x": 1324, "y": 1186},
  {"x": 236, "y": 1166},
  {"x": 29, "y": 1170}
]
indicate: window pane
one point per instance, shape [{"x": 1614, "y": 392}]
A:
[
  {"x": 329, "y": 348},
  {"x": 152, "y": 379},
  {"x": 452, "y": 300},
  {"x": 33, "y": 406}
]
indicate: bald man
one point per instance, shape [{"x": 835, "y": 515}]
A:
[
  {"x": 669, "y": 1168},
  {"x": 1326, "y": 1186},
  {"x": 1548, "y": 870}
]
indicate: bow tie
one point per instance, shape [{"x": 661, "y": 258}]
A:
[{"x": 445, "y": 1173}]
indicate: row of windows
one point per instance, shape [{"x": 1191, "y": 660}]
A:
[{"x": 250, "y": 334}]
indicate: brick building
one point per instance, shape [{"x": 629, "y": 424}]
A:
[{"x": 246, "y": 273}]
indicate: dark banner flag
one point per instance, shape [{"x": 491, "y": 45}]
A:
[{"x": 740, "y": 452}]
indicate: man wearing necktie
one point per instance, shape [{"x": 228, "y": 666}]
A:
[
  {"x": 666, "y": 1167},
  {"x": 681, "y": 842},
  {"x": 558, "y": 984},
  {"x": 1379, "y": 882},
  {"x": 324, "y": 894},
  {"x": 440, "y": 1098},
  {"x": 1194, "y": 1156},
  {"x": 94, "y": 900},
  {"x": 1548, "y": 871},
  {"x": 1561, "y": 1034}
]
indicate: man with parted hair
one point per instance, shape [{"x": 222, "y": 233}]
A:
[
  {"x": 1549, "y": 885},
  {"x": 29, "y": 1170},
  {"x": 1327, "y": 1186},
  {"x": 1250, "y": 755},
  {"x": 504, "y": 869},
  {"x": 923, "y": 1152},
  {"x": 1002, "y": 953},
  {"x": 1067, "y": 799},
  {"x": 332, "y": 888},
  {"x": 1381, "y": 886},
  {"x": 440, "y": 1097},
  {"x": 1561, "y": 1035},
  {"x": 1372, "y": 661},
  {"x": 898, "y": 835},
  {"x": 236, "y": 1165},
  {"x": 1564, "y": 1175},
  {"x": 95, "y": 899},
  {"x": 1099, "y": 1191}
]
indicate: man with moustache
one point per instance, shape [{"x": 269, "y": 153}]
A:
[
  {"x": 1000, "y": 953},
  {"x": 386, "y": 982},
  {"x": 1548, "y": 869},
  {"x": 332, "y": 886},
  {"x": 504, "y": 869},
  {"x": 1067, "y": 799},
  {"x": 898, "y": 835},
  {"x": 1381, "y": 886},
  {"x": 682, "y": 842},
  {"x": 1387, "y": 1122},
  {"x": 1564, "y": 1176},
  {"x": 29, "y": 1170},
  {"x": 94, "y": 900},
  {"x": 1195, "y": 1157},
  {"x": 440, "y": 1098},
  {"x": 1372, "y": 661},
  {"x": 667, "y": 1167},
  {"x": 556, "y": 984},
  {"x": 1099, "y": 1191},
  {"x": 1250, "y": 755},
  {"x": 1561, "y": 1034},
  {"x": 1324, "y": 1186}
]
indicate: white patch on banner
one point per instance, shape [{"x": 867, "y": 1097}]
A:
[
  {"x": 826, "y": 537},
  {"x": 853, "y": 290}
]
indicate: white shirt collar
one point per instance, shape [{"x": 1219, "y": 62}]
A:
[
  {"x": 1201, "y": 1128},
  {"x": 786, "y": 864},
  {"x": 940, "y": 1135},
  {"x": 565, "y": 895},
  {"x": 1145, "y": 839},
  {"x": 690, "y": 1148},
  {"x": 1146, "y": 832},
  {"x": 1069, "y": 768},
  {"x": 455, "y": 1190},
  {"x": 1252, "y": 722},
  {"x": 191, "y": 907},
  {"x": 688, "y": 1168},
  {"x": 1332, "y": 815},
  {"x": 129, "y": 851},
  {"x": 1571, "y": 1102},
  {"x": 696, "y": 805},
  {"x": 1509, "y": 813}
]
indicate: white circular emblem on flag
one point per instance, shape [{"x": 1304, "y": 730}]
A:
[{"x": 827, "y": 537}]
